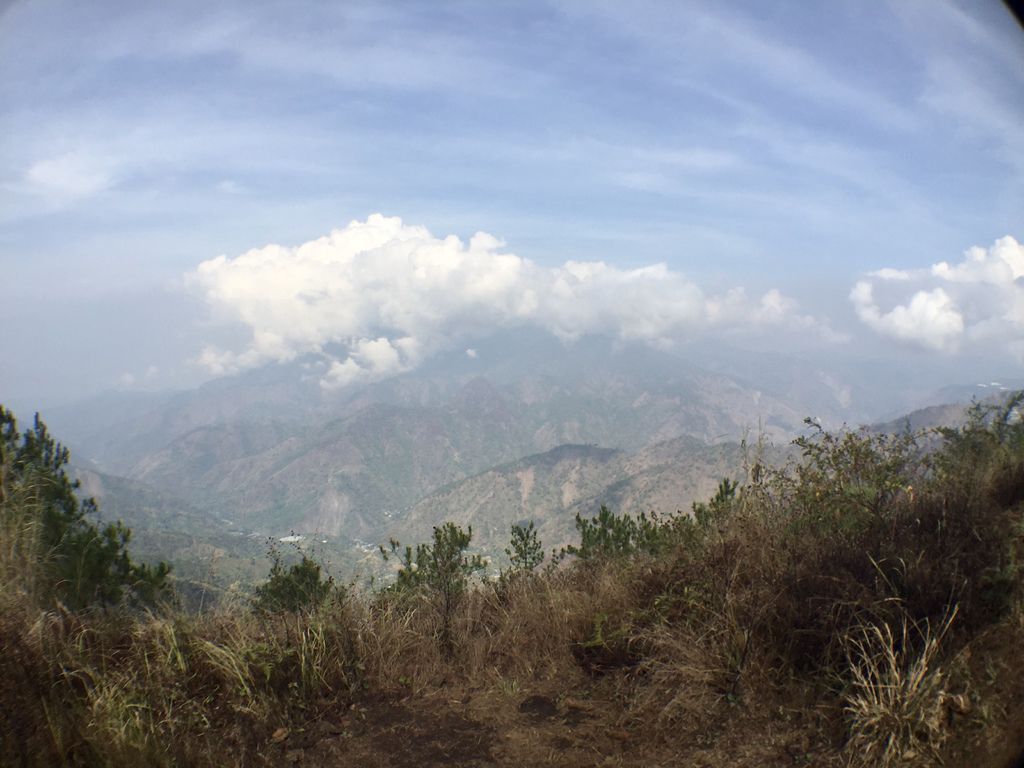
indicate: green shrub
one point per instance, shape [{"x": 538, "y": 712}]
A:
[
  {"x": 872, "y": 529},
  {"x": 297, "y": 589},
  {"x": 849, "y": 480}
]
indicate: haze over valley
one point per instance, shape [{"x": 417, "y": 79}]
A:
[{"x": 528, "y": 428}]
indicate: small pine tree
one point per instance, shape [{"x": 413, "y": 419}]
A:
[
  {"x": 608, "y": 535},
  {"x": 525, "y": 551},
  {"x": 706, "y": 513},
  {"x": 71, "y": 559},
  {"x": 443, "y": 567}
]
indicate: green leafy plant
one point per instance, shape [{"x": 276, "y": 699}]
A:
[
  {"x": 983, "y": 461},
  {"x": 850, "y": 479},
  {"x": 607, "y": 647}
]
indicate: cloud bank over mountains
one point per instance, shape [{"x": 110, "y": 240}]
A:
[
  {"x": 976, "y": 301},
  {"x": 392, "y": 294},
  {"x": 378, "y": 297}
]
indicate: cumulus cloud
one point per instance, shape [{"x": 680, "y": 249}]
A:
[
  {"x": 1000, "y": 265},
  {"x": 930, "y": 319},
  {"x": 391, "y": 294},
  {"x": 978, "y": 299}
]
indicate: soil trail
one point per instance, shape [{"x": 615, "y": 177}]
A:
[
  {"x": 487, "y": 728},
  {"x": 585, "y": 725}
]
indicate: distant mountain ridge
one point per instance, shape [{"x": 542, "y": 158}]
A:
[
  {"x": 525, "y": 428},
  {"x": 273, "y": 451},
  {"x": 551, "y": 488},
  {"x": 951, "y": 414}
]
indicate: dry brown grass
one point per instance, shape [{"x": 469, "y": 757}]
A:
[
  {"x": 897, "y": 697},
  {"x": 691, "y": 651},
  {"x": 213, "y": 690}
]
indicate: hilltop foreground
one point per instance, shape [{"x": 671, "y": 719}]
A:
[{"x": 861, "y": 605}]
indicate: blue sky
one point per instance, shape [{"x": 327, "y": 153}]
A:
[{"x": 793, "y": 150}]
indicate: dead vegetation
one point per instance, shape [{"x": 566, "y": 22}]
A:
[{"x": 856, "y": 608}]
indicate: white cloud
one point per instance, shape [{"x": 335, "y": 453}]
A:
[
  {"x": 930, "y": 319},
  {"x": 890, "y": 274},
  {"x": 1001, "y": 264},
  {"x": 70, "y": 176},
  {"x": 980, "y": 298},
  {"x": 372, "y": 359},
  {"x": 392, "y": 294}
]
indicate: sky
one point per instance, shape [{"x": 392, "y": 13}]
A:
[{"x": 191, "y": 189}]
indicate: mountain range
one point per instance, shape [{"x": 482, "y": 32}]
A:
[{"x": 520, "y": 428}]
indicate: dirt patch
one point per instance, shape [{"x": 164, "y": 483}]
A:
[
  {"x": 409, "y": 733},
  {"x": 584, "y": 724},
  {"x": 539, "y": 708},
  {"x": 482, "y": 728}
]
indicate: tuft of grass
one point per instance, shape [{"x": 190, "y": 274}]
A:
[{"x": 896, "y": 699}]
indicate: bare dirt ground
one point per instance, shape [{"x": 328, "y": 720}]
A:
[
  {"x": 583, "y": 720},
  {"x": 547, "y": 726},
  {"x": 543, "y": 727}
]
